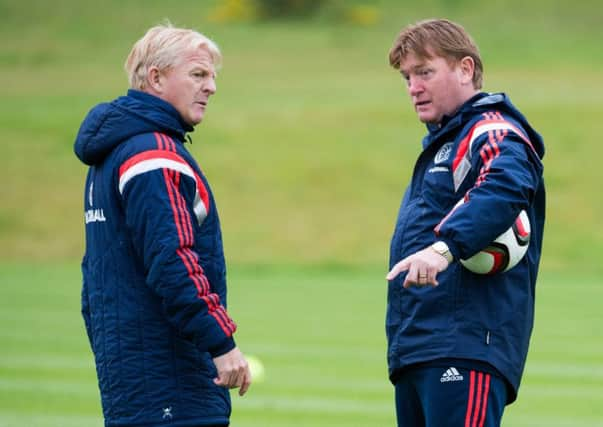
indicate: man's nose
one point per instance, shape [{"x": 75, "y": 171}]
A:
[
  {"x": 210, "y": 87},
  {"x": 414, "y": 86}
]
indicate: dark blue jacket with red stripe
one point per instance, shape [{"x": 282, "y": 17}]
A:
[
  {"x": 154, "y": 277},
  {"x": 488, "y": 154}
]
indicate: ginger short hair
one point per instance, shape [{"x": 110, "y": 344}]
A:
[
  {"x": 438, "y": 37},
  {"x": 163, "y": 47}
]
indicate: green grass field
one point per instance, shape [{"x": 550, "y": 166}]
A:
[
  {"x": 320, "y": 336},
  {"x": 308, "y": 145}
]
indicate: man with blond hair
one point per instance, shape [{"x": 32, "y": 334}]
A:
[
  {"x": 154, "y": 276},
  {"x": 457, "y": 340}
]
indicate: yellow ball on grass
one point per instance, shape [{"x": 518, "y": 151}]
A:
[{"x": 256, "y": 367}]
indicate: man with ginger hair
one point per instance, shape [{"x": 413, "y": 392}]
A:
[
  {"x": 154, "y": 276},
  {"x": 457, "y": 340}
]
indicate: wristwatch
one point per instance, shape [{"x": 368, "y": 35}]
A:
[{"x": 442, "y": 248}]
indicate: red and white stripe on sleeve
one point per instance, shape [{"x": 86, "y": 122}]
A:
[
  {"x": 493, "y": 123},
  {"x": 173, "y": 166},
  {"x": 170, "y": 161}
]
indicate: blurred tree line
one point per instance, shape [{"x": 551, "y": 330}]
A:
[
  {"x": 266, "y": 10},
  {"x": 289, "y": 8}
]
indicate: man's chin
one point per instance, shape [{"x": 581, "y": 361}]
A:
[
  {"x": 194, "y": 121},
  {"x": 428, "y": 119}
]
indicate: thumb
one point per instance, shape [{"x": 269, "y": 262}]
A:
[
  {"x": 220, "y": 381},
  {"x": 397, "y": 269}
]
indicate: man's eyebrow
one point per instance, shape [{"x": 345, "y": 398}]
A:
[{"x": 412, "y": 68}]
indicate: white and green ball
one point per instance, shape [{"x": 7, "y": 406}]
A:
[{"x": 256, "y": 367}]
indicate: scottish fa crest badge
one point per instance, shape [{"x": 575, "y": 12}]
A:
[{"x": 443, "y": 153}]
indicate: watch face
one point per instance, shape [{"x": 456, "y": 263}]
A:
[{"x": 440, "y": 247}]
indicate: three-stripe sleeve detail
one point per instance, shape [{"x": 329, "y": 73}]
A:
[
  {"x": 173, "y": 166},
  {"x": 185, "y": 232},
  {"x": 497, "y": 128}
]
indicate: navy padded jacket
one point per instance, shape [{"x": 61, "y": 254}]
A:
[
  {"x": 154, "y": 277},
  {"x": 488, "y": 154}
]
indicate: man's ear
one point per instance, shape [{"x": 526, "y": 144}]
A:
[
  {"x": 467, "y": 68},
  {"x": 155, "y": 80}
]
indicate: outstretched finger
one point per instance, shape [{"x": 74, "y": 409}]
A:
[{"x": 397, "y": 269}]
